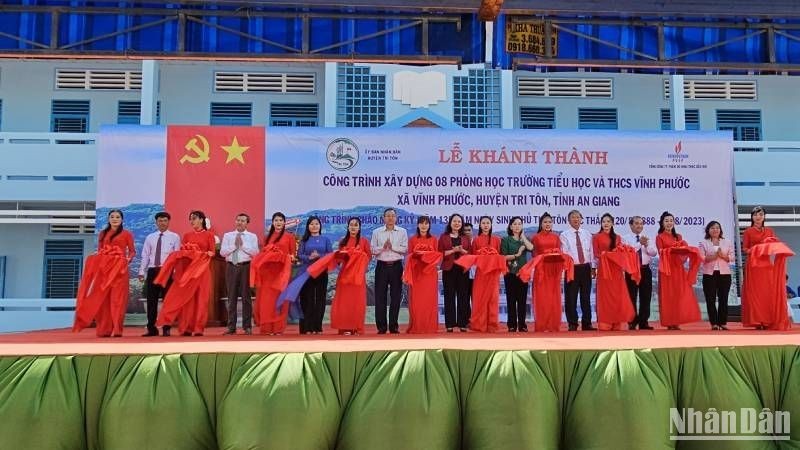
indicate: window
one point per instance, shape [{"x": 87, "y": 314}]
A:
[
  {"x": 597, "y": 118},
  {"x": 73, "y": 178},
  {"x": 27, "y": 178},
  {"x": 692, "y": 119},
  {"x": 284, "y": 83},
  {"x": 130, "y": 112},
  {"x": 565, "y": 87},
  {"x": 98, "y": 79},
  {"x": 62, "y": 268},
  {"x": 476, "y": 99},
  {"x": 706, "y": 89},
  {"x": 294, "y": 114},
  {"x": 69, "y": 116},
  {"x": 361, "y": 97},
  {"x": 744, "y": 123},
  {"x": 537, "y": 118},
  {"x": 232, "y": 114},
  {"x": 67, "y": 228}
]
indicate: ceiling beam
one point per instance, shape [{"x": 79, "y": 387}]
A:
[{"x": 656, "y": 8}]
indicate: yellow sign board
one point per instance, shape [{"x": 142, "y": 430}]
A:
[{"x": 528, "y": 37}]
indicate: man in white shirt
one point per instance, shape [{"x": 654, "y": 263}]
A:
[
  {"x": 577, "y": 242},
  {"x": 646, "y": 250},
  {"x": 238, "y": 247},
  {"x": 155, "y": 250},
  {"x": 389, "y": 245}
]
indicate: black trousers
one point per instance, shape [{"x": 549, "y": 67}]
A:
[
  {"x": 313, "y": 297},
  {"x": 644, "y": 291},
  {"x": 516, "y": 301},
  {"x": 153, "y": 292},
  {"x": 470, "y": 280},
  {"x": 388, "y": 278},
  {"x": 716, "y": 287},
  {"x": 237, "y": 281},
  {"x": 456, "y": 285},
  {"x": 581, "y": 283}
]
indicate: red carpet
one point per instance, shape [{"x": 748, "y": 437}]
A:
[{"x": 64, "y": 342}]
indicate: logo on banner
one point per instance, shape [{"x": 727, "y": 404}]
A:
[
  {"x": 342, "y": 154},
  {"x": 678, "y": 155},
  {"x": 196, "y": 154}
]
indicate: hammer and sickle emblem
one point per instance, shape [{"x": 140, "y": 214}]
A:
[{"x": 201, "y": 152}]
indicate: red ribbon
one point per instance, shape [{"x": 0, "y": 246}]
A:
[
  {"x": 684, "y": 251},
  {"x": 553, "y": 255},
  {"x": 272, "y": 267},
  {"x": 189, "y": 263},
  {"x": 623, "y": 256},
  {"x": 423, "y": 255}
]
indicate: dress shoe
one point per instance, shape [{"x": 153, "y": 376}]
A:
[
  {"x": 463, "y": 329},
  {"x": 248, "y": 331},
  {"x": 645, "y": 327},
  {"x": 631, "y": 326},
  {"x": 674, "y": 328},
  {"x": 186, "y": 333},
  {"x": 449, "y": 330},
  {"x": 381, "y": 331},
  {"x": 165, "y": 331},
  {"x": 723, "y": 328},
  {"x": 714, "y": 328},
  {"x": 150, "y": 333},
  {"x": 588, "y": 328},
  {"x": 572, "y": 327},
  {"x": 394, "y": 331},
  {"x": 523, "y": 329},
  {"x": 229, "y": 332},
  {"x": 512, "y": 329}
]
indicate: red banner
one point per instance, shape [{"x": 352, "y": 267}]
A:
[{"x": 218, "y": 170}]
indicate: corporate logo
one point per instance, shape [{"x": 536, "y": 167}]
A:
[
  {"x": 342, "y": 154},
  {"x": 745, "y": 424},
  {"x": 678, "y": 155}
]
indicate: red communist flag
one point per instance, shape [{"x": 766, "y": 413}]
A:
[{"x": 218, "y": 170}]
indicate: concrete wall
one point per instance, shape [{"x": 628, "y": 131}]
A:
[{"x": 23, "y": 247}]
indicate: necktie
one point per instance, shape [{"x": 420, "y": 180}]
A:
[
  {"x": 579, "y": 246},
  {"x": 157, "y": 262},
  {"x": 639, "y": 252},
  {"x": 238, "y": 244}
]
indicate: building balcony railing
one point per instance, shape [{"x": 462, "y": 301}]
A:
[{"x": 48, "y": 166}]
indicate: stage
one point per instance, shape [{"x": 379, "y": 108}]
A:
[
  {"x": 570, "y": 390},
  {"x": 65, "y": 342}
]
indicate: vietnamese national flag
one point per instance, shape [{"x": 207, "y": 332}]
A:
[{"x": 218, "y": 170}]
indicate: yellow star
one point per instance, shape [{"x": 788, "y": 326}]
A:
[{"x": 235, "y": 151}]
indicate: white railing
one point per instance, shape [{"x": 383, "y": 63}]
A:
[
  {"x": 27, "y": 314},
  {"x": 53, "y": 216},
  {"x": 45, "y": 138},
  {"x": 769, "y": 146}
]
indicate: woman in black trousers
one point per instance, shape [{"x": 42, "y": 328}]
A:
[{"x": 717, "y": 253}]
